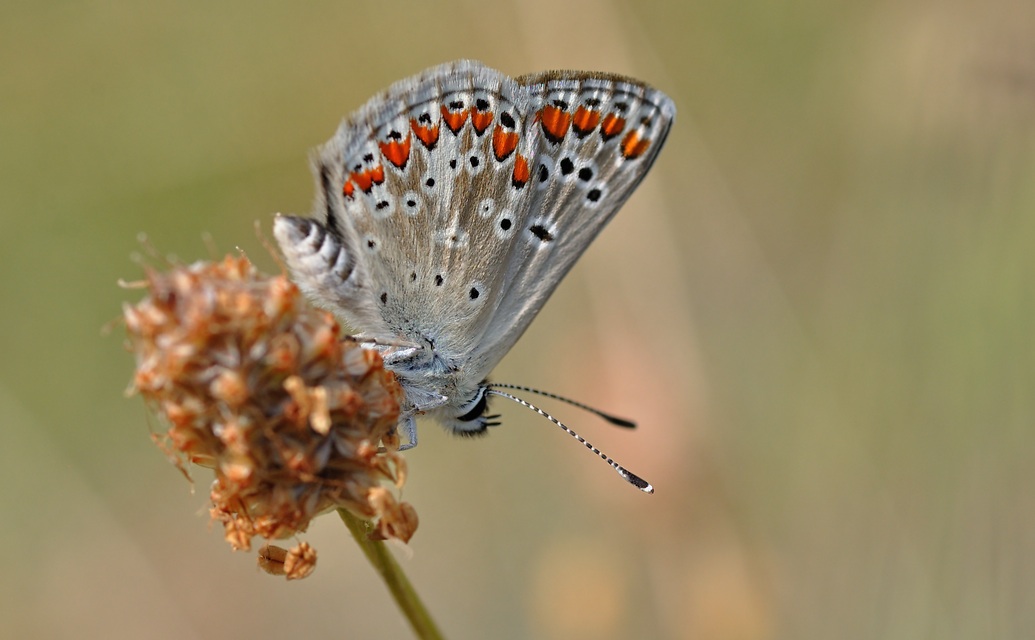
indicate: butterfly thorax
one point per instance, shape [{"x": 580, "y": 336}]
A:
[{"x": 436, "y": 387}]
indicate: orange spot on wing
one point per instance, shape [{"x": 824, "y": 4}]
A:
[
  {"x": 633, "y": 146},
  {"x": 481, "y": 120},
  {"x": 365, "y": 180},
  {"x": 555, "y": 123},
  {"x": 428, "y": 136},
  {"x": 454, "y": 119},
  {"x": 348, "y": 189},
  {"x": 362, "y": 180},
  {"x": 585, "y": 120},
  {"x": 611, "y": 126},
  {"x": 396, "y": 152},
  {"x": 503, "y": 143},
  {"x": 520, "y": 175}
]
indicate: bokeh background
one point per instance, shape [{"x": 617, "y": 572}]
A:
[{"x": 819, "y": 306}]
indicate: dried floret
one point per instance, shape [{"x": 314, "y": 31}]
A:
[{"x": 294, "y": 418}]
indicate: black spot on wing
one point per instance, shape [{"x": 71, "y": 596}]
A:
[{"x": 540, "y": 232}]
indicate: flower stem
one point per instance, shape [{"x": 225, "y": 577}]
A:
[{"x": 396, "y": 581}]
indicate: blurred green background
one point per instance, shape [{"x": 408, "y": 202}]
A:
[{"x": 819, "y": 306}]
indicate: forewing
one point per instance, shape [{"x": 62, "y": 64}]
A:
[
  {"x": 461, "y": 197},
  {"x": 591, "y": 138}
]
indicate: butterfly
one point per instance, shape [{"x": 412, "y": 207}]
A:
[{"x": 450, "y": 207}]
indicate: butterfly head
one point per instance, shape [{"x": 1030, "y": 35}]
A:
[{"x": 466, "y": 416}]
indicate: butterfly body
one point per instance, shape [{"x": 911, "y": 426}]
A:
[{"x": 450, "y": 207}]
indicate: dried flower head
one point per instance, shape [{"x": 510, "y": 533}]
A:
[{"x": 262, "y": 388}]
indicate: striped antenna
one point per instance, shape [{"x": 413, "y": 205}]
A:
[
  {"x": 629, "y": 476},
  {"x": 613, "y": 419}
]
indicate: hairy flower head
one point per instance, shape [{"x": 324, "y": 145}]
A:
[{"x": 262, "y": 388}]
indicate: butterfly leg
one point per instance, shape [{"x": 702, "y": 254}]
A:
[{"x": 410, "y": 427}]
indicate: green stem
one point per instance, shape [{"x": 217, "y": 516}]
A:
[{"x": 396, "y": 581}]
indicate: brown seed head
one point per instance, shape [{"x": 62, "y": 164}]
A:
[{"x": 262, "y": 388}]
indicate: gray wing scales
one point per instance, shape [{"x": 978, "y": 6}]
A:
[
  {"x": 451, "y": 205},
  {"x": 592, "y": 139},
  {"x": 421, "y": 188}
]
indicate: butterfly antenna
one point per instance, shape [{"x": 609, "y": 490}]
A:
[
  {"x": 629, "y": 476},
  {"x": 613, "y": 419}
]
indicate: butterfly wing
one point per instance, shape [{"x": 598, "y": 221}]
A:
[
  {"x": 388, "y": 247},
  {"x": 432, "y": 255},
  {"x": 450, "y": 207},
  {"x": 591, "y": 138}
]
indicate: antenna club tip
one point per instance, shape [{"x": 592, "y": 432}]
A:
[
  {"x": 637, "y": 481},
  {"x": 620, "y": 422}
]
